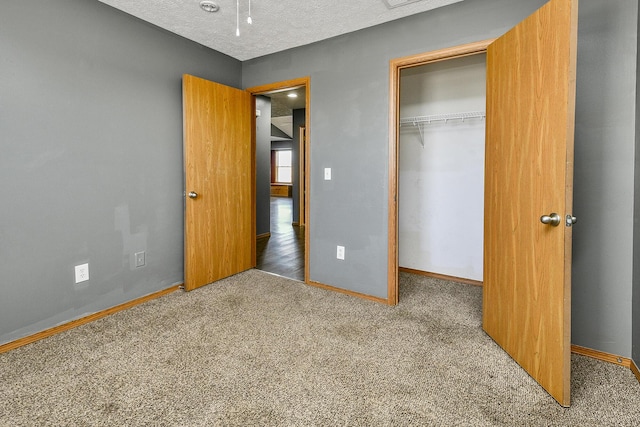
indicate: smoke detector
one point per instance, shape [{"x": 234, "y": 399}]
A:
[{"x": 209, "y": 6}]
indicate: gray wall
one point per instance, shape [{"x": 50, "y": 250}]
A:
[
  {"x": 91, "y": 157},
  {"x": 636, "y": 223},
  {"x": 349, "y": 127},
  {"x": 263, "y": 165},
  {"x": 349, "y": 133},
  {"x": 281, "y": 145},
  {"x": 604, "y": 176}
]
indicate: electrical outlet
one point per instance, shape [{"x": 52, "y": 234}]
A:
[
  {"x": 82, "y": 273},
  {"x": 340, "y": 252},
  {"x": 140, "y": 259}
]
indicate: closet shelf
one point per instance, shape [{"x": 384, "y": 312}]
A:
[{"x": 421, "y": 121}]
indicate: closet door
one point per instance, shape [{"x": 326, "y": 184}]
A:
[{"x": 529, "y": 176}]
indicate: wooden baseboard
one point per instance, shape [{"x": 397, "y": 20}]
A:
[
  {"x": 263, "y": 236},
  {"x": 346, "y": 292},
  {"x": 635, "y": 370},
  {"x": 84, "y": 320},
  {"x": 607, "y": 357},
  {"x": 601, "y": 355},
  {"x": 440, "y": 276}
]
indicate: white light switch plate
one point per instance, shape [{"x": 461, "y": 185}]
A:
[{"x": 327, "y": 174}]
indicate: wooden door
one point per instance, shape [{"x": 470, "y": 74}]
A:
[
  {"x": 219, "y": 180},
  {"x": 529, "y": 173}
]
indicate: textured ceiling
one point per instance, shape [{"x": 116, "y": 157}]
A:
[
  {"x": 277, "y": 24},
  {"x": 282, "y": 104},
  {"x": 282, "y": 107}
]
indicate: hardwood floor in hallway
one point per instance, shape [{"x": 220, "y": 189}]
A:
[{"x": 283, "y": 252}]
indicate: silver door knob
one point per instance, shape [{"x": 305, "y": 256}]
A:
[
  {"x": 553, "y": 219},
  {"x": 193, "y": 194}
]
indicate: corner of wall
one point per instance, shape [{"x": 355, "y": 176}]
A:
[{"x": 635, "y": 323}]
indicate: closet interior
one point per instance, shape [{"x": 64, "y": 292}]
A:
[{"x": 441, "y": 167}]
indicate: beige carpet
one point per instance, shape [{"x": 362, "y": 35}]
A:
[{"x": 256, "y": 349}]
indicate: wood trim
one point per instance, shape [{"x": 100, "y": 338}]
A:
[
  {"x": 392, "y": 222},
  {"x": 442, "y": 54},
  {"x": 635, "y": 370},
  {"x": 283, "y": 85},
  {"x": 601, "y": 355},
  {"x": 347, "y": 292},
  {"x": 607, "y": 357},
  {"x": 441, "y": 276},
  {"x": 84, "y": 320},
  {"x": 254, "y": 190},
  {"x": 395, "y": 65},
  {"x": 302, "y": 170},
  {"x": 307, "y": 182},
  {"x": 273, "y": 166},
  {"x": 263, "y": 236},
  {"x": 290, "y": 84}
]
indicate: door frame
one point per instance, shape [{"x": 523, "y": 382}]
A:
[
  {"x": 395, "y": 66},
  {"x": 281, "y": 86},
  {"x": 303, "y": 165}
]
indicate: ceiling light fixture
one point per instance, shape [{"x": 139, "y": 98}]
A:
[
  {"x": 209, "y": 6},
  {"x": 292, "y": 95},
  {"x": 237, "y": 18}
]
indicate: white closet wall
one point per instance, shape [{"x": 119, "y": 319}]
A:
[{"x": 441, "y": 183}]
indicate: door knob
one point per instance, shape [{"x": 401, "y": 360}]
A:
[
  {"x": 193, "y": 194},
  {"x": 553, "y": 219}
]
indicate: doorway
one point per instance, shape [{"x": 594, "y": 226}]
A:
[
  {"x": 530, "y": 119},
  {"x": 396, "y": 68},
  {"x": 441, "y": 169},
  {"x": 282, "y": 117}
]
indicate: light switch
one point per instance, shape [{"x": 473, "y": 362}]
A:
[
  {"x": 327, "y": 174},
  {"x": 140, "y": 259}
]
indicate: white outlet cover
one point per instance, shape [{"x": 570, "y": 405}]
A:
[
  {"x": 340, "y": 252},
  {"x": 82, "y": 273}
]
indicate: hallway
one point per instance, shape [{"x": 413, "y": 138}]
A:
[{"x": 283, "y": 252}]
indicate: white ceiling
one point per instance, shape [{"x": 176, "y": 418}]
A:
[{"x": 277, "y": 24}]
